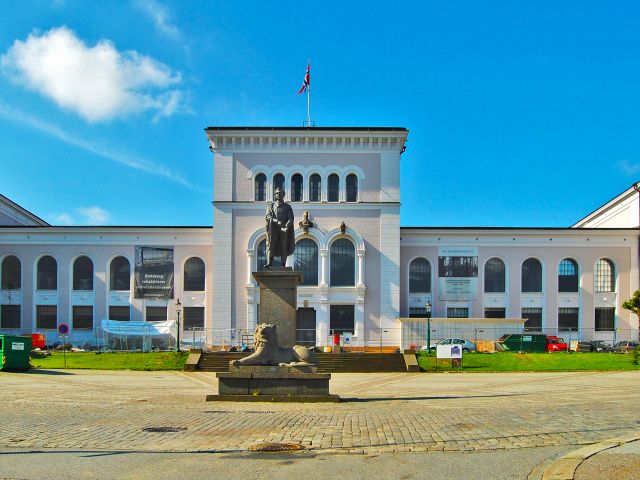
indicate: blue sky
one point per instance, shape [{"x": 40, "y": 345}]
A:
[{"x": 520, "y": 113}]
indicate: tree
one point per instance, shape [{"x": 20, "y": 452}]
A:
[{"x": 633, "y": 304}]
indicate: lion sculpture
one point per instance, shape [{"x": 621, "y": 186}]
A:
[{"x": 267, "y": 351}]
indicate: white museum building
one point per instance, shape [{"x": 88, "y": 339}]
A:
[{"x": 363, "y": 274}]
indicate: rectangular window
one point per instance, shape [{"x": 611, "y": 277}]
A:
[
  {"x": 533, "y": 318},
  {"x": 568, "y": 319},
  {"x": 495, "y": 313},
  {"x": 341, "y": 318},
  {"x": 193, "y": 318},
  {"x": 456, "y": 312},
  {"x": 9, "y": 316},
  {"x": 156, "y": 314},
  {"x": 605, "y": 319},
  {"x": 122, "y": 314},
  {"x": 47, "y": 317},
  {"x": 82, "y": 317},
  {"x": 418, "y": 312},
  {"x": 306, "y": 327}
]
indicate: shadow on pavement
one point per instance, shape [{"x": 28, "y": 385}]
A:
[
  {"x": 37, "y": 371},
  {"x": 439, "y": 397}
]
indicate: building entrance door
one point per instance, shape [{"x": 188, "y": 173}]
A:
[{"x": 306, "y": 327}]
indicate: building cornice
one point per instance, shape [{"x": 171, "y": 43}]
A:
[{"x": 291, "y": 139}]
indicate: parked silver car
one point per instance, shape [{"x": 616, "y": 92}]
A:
[{"x": 467, "y": 346}]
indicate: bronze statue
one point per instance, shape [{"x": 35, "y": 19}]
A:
[{"x": 280, "y": 238}]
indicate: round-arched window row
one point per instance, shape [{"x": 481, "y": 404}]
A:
[
  {"x": 342, "y": 259},
  {"x": 314, "y": 185}
]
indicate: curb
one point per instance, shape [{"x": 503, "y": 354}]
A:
[{"x": 565, "y": 467}]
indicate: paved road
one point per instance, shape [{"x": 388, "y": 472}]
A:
[{"x": 383, "y": 414}]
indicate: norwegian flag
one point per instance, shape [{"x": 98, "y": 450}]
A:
[{"x": 307, "y": 80}]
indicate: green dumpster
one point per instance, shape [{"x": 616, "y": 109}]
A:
[
  {"x": 526, "y": 342},
  {"x": 14, "y": 352}
]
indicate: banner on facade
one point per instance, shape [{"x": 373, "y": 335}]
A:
[
  {"x": 154, "y": 272},
  {"x": 457, "y": 273}
]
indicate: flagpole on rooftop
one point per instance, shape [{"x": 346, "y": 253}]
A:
[{"x": 309, "y": 98}]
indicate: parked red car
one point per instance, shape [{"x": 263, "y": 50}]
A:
[{"x": 556, "y": 344}]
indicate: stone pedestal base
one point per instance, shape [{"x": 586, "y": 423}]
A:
[
  {"x": 278, "y": 302},
  {"x": 273, "y": 384}
]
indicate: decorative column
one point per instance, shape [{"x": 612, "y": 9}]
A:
[
  {"x": 360, "y": 267},
  {"x": 323, "y": 266}
]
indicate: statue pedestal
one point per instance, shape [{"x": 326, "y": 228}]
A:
[
  {"x": 273, "y": 384},
  {"x": 278, "y": 301}
]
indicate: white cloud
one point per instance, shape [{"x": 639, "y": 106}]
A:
[
  {"x": 160, "y": 16},
  {"x": 63, "y": 219},
  {"x": 94, "y": 215},
  {"x": 98, "y": 83},
  {"x": 88, "y": 216},
  {"x": 121, "y": 157},
  {"x": 628, "y": 168}
]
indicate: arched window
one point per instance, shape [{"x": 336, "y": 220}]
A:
[
  {"x": 315, "y": 188},
  {"x": 531, "y": 275},
  {"x": 568, "y": 276},
  {"x": 494, "y": 276},
  {"x": 343, "y": 263},
  {"x": 261, "y": 187},
  {"x": 11, "y": 273},
  {"x": 420, "y": 276},
  {"x": 261, "y": 256},
  {"x": 605, "y": 276},
  {"x": 47, "y": 273},
  {"x": 83, "y": 274},
  {"x": 352, "y": 188},
  {"x": 194, "y": 275},
  {"x": 296, "y": 188},
  {"x": 278, "y": 181},
  {"x": 333, "y": 188},
  {"x": 119, "y": 274},
  {"x": 306, "y": 261}
]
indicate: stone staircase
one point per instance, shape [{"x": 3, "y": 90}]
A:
[{"x": 328, "y": 362}]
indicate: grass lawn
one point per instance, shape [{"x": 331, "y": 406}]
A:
[
  {"x": 531, "y": 362},
  {"x": 115, "y": 361}
]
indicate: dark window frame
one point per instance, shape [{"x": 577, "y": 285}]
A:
[
  {"x": 569, "y": 319},
  {"x": 194, "y": 281},
  {"x": 340, "y": 320},
  {"x": 333, "y": 188},
  {"x": 153, "y": 314},
  {"x": 83, "y": 274},
  {"x": 297, "y": 188},
  {"x": 82, "y": 317},
  {"x": 420, "y": 275},
  {"x": 315, "y": 188},
  {"x": 568, "y": 282},
  {"x": 342, "y": 274},
  {"x": 495, "y": 274},
  {"x": 260, "y": 187},
  {"x": 10, "y": 270},
  {"x": 306, "y": 261},
  {"x": 46, "y": 317},
  {"x": 193, "y": 318},
  {"x": 352, "y": 187},
  {"x": 47, "y": 274},
  {"x": 10, "y": 316},
  {"x": 119, "y": 316},
  {"x": 116, "y": 277},
  {"x": 531, "y": 277},
  {"x": 605, "y": 319}
]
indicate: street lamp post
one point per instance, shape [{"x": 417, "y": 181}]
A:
[
  {"x": 427, "y": 307},
  {"x": 178, "y": 310}
]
